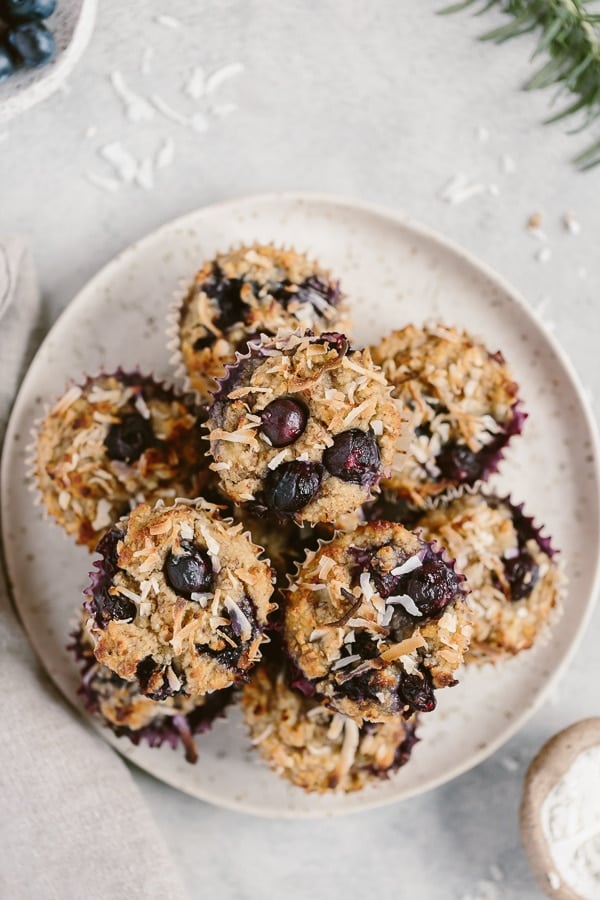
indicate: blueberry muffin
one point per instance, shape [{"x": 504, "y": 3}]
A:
[
  {"x": 515, "y": 582},
  {"x": 116, "y": 439},
  {"x": 314, "y": 747},
  {"x": 120, "y": 706},
  {"x": 304, "y": 427},
  {"x": 179, "y": 600},
  {"x": 463, "y": 403},
  {"x": 253, "y": 290},
  {"x": 377, "y": 620}
]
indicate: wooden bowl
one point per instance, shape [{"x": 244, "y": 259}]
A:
[{"x": 545, "y": 771}]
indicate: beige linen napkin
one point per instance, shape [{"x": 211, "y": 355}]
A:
[{"x": 72, "y": 823}]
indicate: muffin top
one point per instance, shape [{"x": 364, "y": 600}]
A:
[
  {"x": 515, "y": 581},
  {"x": 179, "y": 601},
  {"x": 376, "y": 620},
  {"x": 116, "y": 439},
  {"x": 462, "y": 403},
  {"x": 248, "y": 291},
  {"x": 303, "y": 427},
  {"x": 313, "y": 746}
]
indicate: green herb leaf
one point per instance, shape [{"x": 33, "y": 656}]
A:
[{"x": 570, "y": 36}]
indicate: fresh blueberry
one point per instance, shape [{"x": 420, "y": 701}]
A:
[
  {"x": 18, "y": 11},
  {"x": 126, "y": 440},
  {"x": 354, "y": 457},
  {"x": 6, "y": 64},
  {"x": 189, "y": 572},
  {"x": 417, "y": 691},
  {"x": 292, "y": 485},
  {"x": 32, "y": 44},
  {"x": 432, "y": 586},
  {"x": 459, "y": 463},
  {"x": 284, "y": 420},
  {"x": 522, "y": 573}
]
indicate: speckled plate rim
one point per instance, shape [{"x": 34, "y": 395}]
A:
[{"x": 359, "y": 801}]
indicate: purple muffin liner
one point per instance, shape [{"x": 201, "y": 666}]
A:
[{"x": 163, "y": 729}]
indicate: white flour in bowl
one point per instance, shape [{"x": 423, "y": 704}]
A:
[{"x": 571, "y": 824}]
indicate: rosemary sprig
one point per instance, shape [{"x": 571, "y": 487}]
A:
[{"x": 571, "y": 38}]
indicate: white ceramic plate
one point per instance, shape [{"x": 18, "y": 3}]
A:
[
  {"x": 71, "y": 24},
  {"x": 394, "y": 272}
]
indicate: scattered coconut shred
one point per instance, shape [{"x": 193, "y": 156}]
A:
[{"x": 570, "y": 818}]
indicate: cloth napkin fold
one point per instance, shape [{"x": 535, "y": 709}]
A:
[{"x": 72, "y": 821}]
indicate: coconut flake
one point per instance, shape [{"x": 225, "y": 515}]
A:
[
  {"x": 64, "y": 499},
  {"x": 263, "y": 734},
  {"x": 141, "y": 406},
  {"x": 174, "y": 681},
  {"x": 131, "y": 595},
  {"x": 409, "y": 565},
  {"x": 165, "y": 154},
  {"x": 186, "y": 531},
  {"x": 122, "y": 161},
  {"x": 544, "y": 255},
  {"x": 366, "y": 586},
  {"x": 326, "y": 564},
  {"x": 317, "y": 633},
  {"x": 103, "y": 515},
  {"x": 571, "y": 223},
  {"x": 137, "y": 109},
  {"x": 345, "y": 661},
  {"x": 168, "y": 22},
  {"x": 196, "y": 86},
  {"x": 212, "y": 545},
  {"x": 349, "y": 747},
  {"x": 356, "y": 412},
  {"x": 336, "y": 727},
  {"x": 377, "y": 427},
  {"x": 223, "y": 74},
  {"x": 239, "y": 621},
  {"x": 69, "y": 398},
  {"x": 406, "y": 602},
  {"x": 273, "y": 463},
  {"x": 387, "y": 616}
]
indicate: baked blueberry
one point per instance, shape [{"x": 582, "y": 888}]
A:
[
  {"x": 290, "y": 486},
  {"x": 283, "y": 420},
  {"x": 354, "y": 456},
  {"x": 190, "y": 571},
  {"x": 416, "y": 691},
  {"x": 126, "y": 440},
  {"x": 522, "y": 573}
]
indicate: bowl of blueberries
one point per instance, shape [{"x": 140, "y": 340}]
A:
[{"x": 40, "y": 42}]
